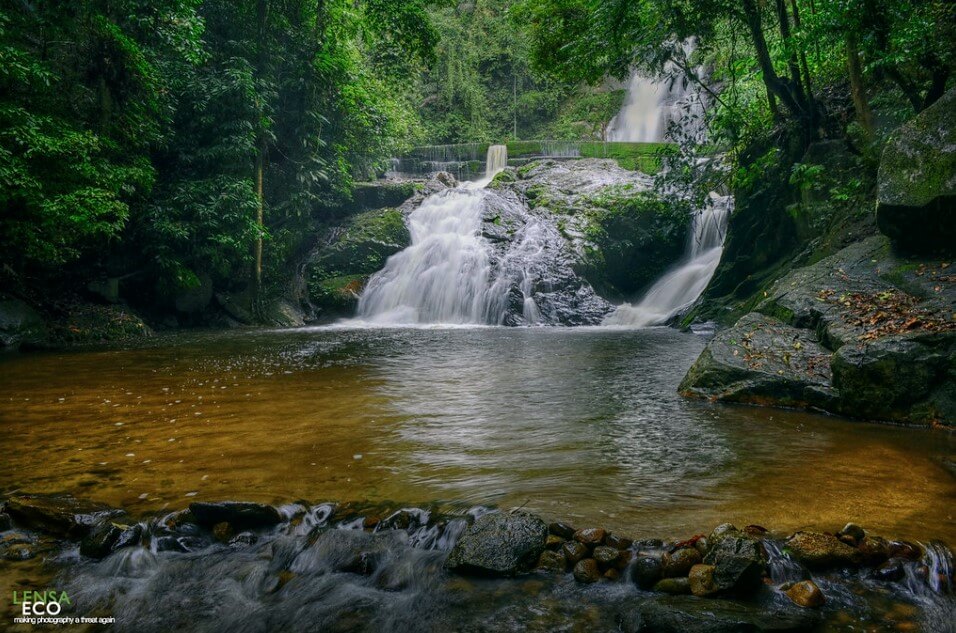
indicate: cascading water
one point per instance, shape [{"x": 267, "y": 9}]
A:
[
  {"x": 651, "y": 106},
  {"x": 649, "y": 110},
  {"x": 678, "y": 289},
  {"x": 445, "y": 276}
]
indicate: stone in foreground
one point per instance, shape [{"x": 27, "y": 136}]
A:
[
  {"x": 499, "y": 544},
  {"x": 819, "y": 551},
  {"x": 63, "y": 515},
  {"x": 239, "y": 514}
]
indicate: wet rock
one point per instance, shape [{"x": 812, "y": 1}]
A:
[
  {"x": 587, "y": 571},
  {"x": 5, "y": 522},
  {"x": 606, "y": 556},
  {"x": 590, "y": 536},
  {"x": 701, "y": 578},
  {"x": 101, "y": 539},
  {"x": 552, "y": 561},
  {"x": 903, "y": 549},
  {"x": 222, "y": 532},
  {"x": 648, "y": 545},
  {"x": 853, "y": 531},
  {"x": 18, "y": 552},
  {"x": 574, "y": 551},
  {"x": 243, "y": 539},
  {"x": 819, "y": 551},
  {"x": 347, "y": 551},
  {"x": 618, "y": 542},
  {"x": 673, "y": 586},
  {"x": 130, "y": 536},
  {"x": 563, "y": 530},
  {"x": 892, "y": 570},
  {"x": 499, "y": 544},
  {"x": 62, "y": 515},
  {"x": 240, "y": 514},
  {"x": 874, "y": 549},
  {"x": 690, "y": 614},
  {"x": 679, "y": 562},
  {"x": 762, "y": 360},
  {"x": 738, "y": 561},
  {"x": 554, "y": 542},
  {"x": 19, "y": 324},
  {"x": 916, "y": 190},
  {"x": 806, "y": 594},
  {"x": 646, "y": 571},
  {"x": 612, "y": 574}
]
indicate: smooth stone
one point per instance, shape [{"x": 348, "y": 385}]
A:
[
  {"x": 806, "y": 594},
  {"x": 499, "y": 544},
  {"x": 674, "y": 586},
  {"x": 101, "y": 539},
  {"x": 606, "y": 556},
  {"x": 818, "y": 550},
  {"x": 739, "y": 563},
  {"x": 552, "y": 561},
  {"x": 62, "y": 515},
  {"x": 590, "y": 536},
  {"x": 612, "y": 574},
  {"x": 902, "y": 549},
  {"x": 563, "y": 530},
  {"x": 874, "y": 549},
  {"x": 587, "y": 571},
  {"x": 646, "y": 571},
  {"x": 574, "y": 551},
  {"x": 554, "y": 542},
  {"x": 618, "y": 542},
  {"x": 701, "y": 578},
  {"x": 892, "y": 570},
  {"x": 678, "y": 563},
  {"x": 853, "y": 530},
  {"x": 240, "y": 514}
]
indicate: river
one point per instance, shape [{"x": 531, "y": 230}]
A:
[{"x": 577, "y": 424}]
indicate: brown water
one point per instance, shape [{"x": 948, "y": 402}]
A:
[{"x": 581, "y": 424}]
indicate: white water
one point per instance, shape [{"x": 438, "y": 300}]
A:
[
  {"x": 445, "y": 275},
  {"x": 652, "y": 105},
  {"x": 679, "y": 289},
  {"x": 650, "y": 108}
]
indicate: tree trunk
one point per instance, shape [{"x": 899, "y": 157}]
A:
[
  {"x": 772, "y": 81},
  {"x": 863, "y": 112},
  {"x": 262, "y": 10}
]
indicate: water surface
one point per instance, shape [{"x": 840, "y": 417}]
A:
[{"x": 578, "y": 424}]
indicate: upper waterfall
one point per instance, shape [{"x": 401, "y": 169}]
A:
[{"x": 653, "y": 104}]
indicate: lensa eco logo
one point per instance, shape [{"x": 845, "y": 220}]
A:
[{"x": 41, "y": 603}]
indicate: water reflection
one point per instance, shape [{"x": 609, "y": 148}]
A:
[{"x": 581, "y": 424}]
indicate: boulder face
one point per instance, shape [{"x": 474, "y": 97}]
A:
[
  {"x": 864, "y": 333},
  {"x": 916, "y": 199},
  {"x": 19, "y": 323},
  {"x": 499, "y": 544}
]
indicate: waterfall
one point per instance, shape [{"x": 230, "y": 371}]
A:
[
  {"x": 678, "y": 289},
  {"x": 652, "y": 105},
  {"x": 445, "y": 275}
]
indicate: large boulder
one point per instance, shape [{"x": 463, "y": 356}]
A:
[
  {"x": 916, "y": 199},
  {"x": 499, "y": 544},
  {"x": 738, "y": 562},
  {"x": 19, "y": 323},
  {"x": 762, "y": 361}
]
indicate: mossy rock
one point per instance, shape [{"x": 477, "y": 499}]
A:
[
  {"x": 633, "y": 237},
  {"x": 349, "y": 254},
  {"x": 916, "y": 201}
]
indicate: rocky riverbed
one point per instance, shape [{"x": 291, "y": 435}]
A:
[{"x": 243, "y": 566}]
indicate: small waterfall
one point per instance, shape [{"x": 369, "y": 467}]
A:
[
  {"x": 445, "y": 275},
  {"x": 652, "y": 105},
  {"x": 496, "y": 160},
  {"x": 678, "y": 289}
]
